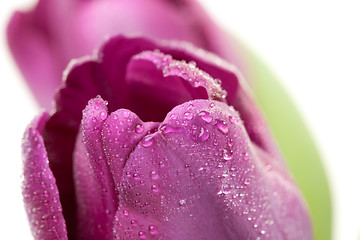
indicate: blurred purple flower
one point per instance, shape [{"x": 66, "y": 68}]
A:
[
  {"x": 179, "y": 150},
  {"x": 46, "y": 38}
]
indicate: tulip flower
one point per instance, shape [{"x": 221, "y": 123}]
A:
[
  {"x": 45, "y": 39},
  {"x": 157, "y": 140}
]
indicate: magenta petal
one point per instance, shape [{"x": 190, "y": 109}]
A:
[
  {"x": 122, "y": 131},
  {"x": 153, "y": 76},
  {"x": 200, "y": 177},
  {"x": 33, "y": 53},
  {"x": 95, "y": 190},
  {"x": 173, "y": 68},
  {"x": 41, "y": 195}
]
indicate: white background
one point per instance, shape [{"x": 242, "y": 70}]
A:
[{"x": 312, "y": 46}]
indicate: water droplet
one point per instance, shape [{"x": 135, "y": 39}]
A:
[
  {"x": 192, "y": 64},
  {"x": 148, "y": 141},
  {"x": 154, "y": 175},
  {"x": 222, "y": 126},
  {"x": 200, "y": 133},
  {"x": 246, "y": 157},
  {"x": 196, "y": 84},
  {"x": 139, "y": 128},
  {"x": 230, "y": 142},
  {"x": 142, "y": 235},
  {"x": 188, "y": 115},
  {"x": 227, "y": 154},
  {"x": 247, "y": 181},
  {"x": 182, "y": 202},
  {"x": 155, "y": 188},
  {"x": 103, "y": 115},
  {"x": 231, "y": 119},
  {"x": 133, "y": 222},
  {"x": 204, "y": 115},
  {"x": 167, "y": 129},
  {"x": 126, "y": 114},
  {"x": 126, "y": 213},
  {"x": 173, "y": 116},
  {"x": 136, "y": 176},
  {"x": 262, "y": 232},
  {"x": 152, "y": 230}
]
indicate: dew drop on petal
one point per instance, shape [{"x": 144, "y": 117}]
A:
[
  {"x": 182, "y": 202},
  {"x": 103, "y": 115},
  {"x": 231, "y": 119},
  {"x": 246, "y": 157},
  {"x": 154, "y": 175},
  {"x": 200, "y": 133},
  {"x": 230, "y": 142},
  {"x": 155, "y": 188},
  {"x": 148, "y": 141},
  {"x": 188, "y": 115},
  {"x": 152, "y": 230},
  {"x": 167, "y": 129},
  {"x": 142, "y": 235},
  {"x": 139, "y": 128},
  {"x": 192, "y": 64},
  {"x": 247, "y": 181},
  {"x": 196, "y": 84},
  {"x": 227, "y": 154},
  {"x": 126, "y": 114},
  {"x": 205, "y": 116},
  {"x": 222, "y": 126}
]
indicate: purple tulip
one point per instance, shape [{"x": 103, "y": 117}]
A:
[
  {"x": 46, "y": 38},
  {"x": 175, "y": 148}
]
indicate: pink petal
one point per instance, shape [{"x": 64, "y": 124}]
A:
[
  {"x": 153, "y": 76},
  {"x": 33, "y": 54},
  {"x": 41, "y": 195},
  {"x": 95, "y": 190},
  {"x": 122, "y": 131},
  {"x": 200, "y": 177}
]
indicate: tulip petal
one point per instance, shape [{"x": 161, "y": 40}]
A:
[
  {"x": 41, "y": 195},
  {"x": 154, "y": 76},
  {"x": 95, "y": 190},
  {"x": 33, "y": 53},
  {"x": 200, "y": 177},
  {"x": 122, "y": 131}
]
